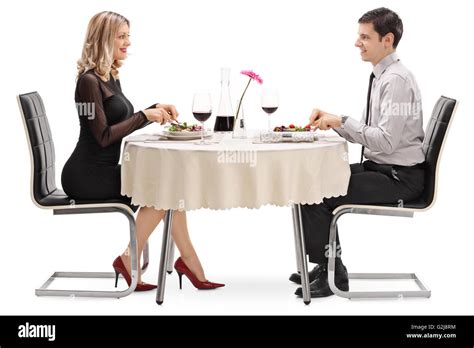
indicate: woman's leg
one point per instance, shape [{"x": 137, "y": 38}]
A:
[
  {"x": 185, "y": 246},
  {"x": 146, "y": 222}
]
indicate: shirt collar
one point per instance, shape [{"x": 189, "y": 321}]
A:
[{"x": 385, "y": 63}]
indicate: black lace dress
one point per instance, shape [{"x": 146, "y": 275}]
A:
[{"x": 106, "y": 116}]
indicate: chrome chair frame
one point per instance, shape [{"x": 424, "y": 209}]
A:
[
  {"x": 93, "y": 208},
  {"x": 384, "y": 211}
]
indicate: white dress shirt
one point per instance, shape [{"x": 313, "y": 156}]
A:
[{"x": 395, "y": 131}]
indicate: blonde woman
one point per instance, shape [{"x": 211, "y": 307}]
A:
[{"x": 106, "y": 116}]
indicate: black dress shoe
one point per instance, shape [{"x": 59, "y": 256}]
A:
[
  {"x": 320, "y": 286},
  {"x": 312, "y": 275}
]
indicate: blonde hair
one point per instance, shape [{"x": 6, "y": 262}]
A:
[{"x": 98, "y": 49}]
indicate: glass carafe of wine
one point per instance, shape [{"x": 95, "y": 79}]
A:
[{"x": 225, "y": 113}]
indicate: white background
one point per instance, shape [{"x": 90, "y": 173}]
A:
[{"x": 306, "y": 49}]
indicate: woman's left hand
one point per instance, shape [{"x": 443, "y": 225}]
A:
[{"x": 170, "y": 109}]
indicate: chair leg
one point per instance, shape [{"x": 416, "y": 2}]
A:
[
  {"x": 423, "y": 292},
  {"x": 301, "y": 252},
  {"x": 44, "y": 289},
  {"x": 169, "y": 267},
  {"x": 165, "y": 251}
]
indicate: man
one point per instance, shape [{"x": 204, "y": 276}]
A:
[{"x": 391, "y": 135}]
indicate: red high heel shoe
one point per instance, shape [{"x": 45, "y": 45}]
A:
[
  {"x": 181, "y": 268},
  {"x": 119, "y": 268}
]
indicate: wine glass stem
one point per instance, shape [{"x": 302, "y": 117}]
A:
[
  {"x": 202, "y": 132},
  {"x": 269, "y": 123}
]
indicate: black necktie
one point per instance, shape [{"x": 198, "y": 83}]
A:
[{"x": 367, "y": 112}]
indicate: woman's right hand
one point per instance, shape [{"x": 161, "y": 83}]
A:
[{"x": 159, "y": 115}]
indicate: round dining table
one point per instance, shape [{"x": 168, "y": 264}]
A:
[{"x": 177, "y": 174}]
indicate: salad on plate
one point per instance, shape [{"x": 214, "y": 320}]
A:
[
  {"x": 292, "y": 128},
  {"x": 183, "y": 128}
]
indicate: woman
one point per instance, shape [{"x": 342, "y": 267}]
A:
[{"x": 106, "y": 116}]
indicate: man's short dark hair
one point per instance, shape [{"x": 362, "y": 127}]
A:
[{"x": 385, "y": 21}]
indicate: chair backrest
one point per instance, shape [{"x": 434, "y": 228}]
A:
[
  {"x": 435, "y": 137},
  {"x": 40, "y": 144}
]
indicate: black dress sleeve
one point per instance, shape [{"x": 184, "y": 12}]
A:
[
  {"x": 89, "y": 91},
  {"x": 150, "y": 107}
]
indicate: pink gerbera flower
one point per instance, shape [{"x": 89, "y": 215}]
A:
[{"x": 252, "y": 75}]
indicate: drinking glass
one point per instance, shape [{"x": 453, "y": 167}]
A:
[
  {"x": 270, "y": 103},
  {"x": 202, "y": 110}
]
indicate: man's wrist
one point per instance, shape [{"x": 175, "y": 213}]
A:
[{"x": 343, "y": 120}]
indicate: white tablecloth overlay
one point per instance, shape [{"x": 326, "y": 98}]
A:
[{"x": 233, "y": 173}]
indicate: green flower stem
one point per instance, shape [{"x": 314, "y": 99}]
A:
[{"x": 240, "y": 103}]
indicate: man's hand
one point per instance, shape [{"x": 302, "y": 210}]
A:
[{"x": 323, "y": 120}]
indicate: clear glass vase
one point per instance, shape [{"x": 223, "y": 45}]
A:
[{"x": 239, "y": 124}]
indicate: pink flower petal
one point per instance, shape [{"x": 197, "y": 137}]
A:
[{"x": 252, "y": 75}]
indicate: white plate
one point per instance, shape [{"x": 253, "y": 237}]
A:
[
  {"x": 184, "y": 135},
  {"x": 290, "y": 134},
  {"x": 279, "y": 137}
]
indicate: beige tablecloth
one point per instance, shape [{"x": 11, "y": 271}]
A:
[{"x": 232, "y": 173}]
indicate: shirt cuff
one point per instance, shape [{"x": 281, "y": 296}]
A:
[{"x": 351, "y": 125}]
